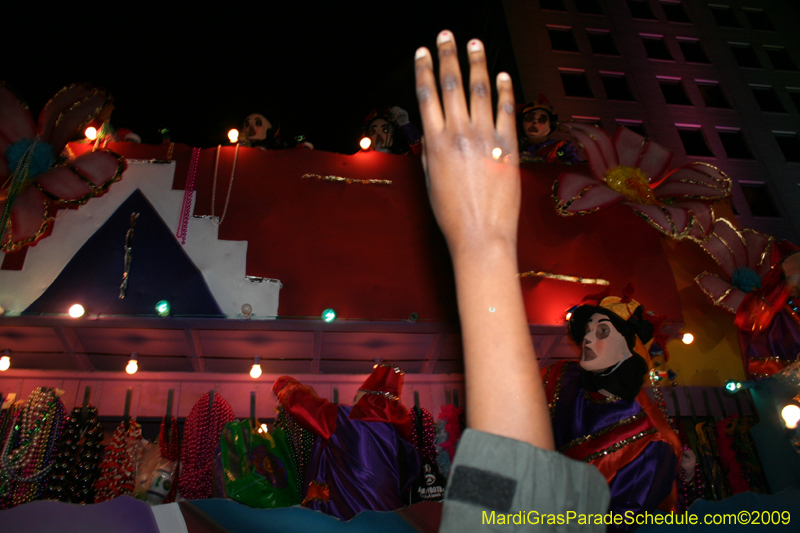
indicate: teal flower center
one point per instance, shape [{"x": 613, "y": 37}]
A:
[
  {"x": 745, "y": 279},
  {"x": 41, "y": 159}
]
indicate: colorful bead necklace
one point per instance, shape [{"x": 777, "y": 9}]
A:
[
  {"x": 77, "y": 462},
  {"x": 118, "y": 469}
]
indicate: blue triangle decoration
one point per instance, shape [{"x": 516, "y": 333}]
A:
[{"x": 159, "y": 270}]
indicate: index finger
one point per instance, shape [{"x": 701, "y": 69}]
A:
[{"x": 429, "y": 107}]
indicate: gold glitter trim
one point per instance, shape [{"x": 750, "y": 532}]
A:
[
  {"x": 12, "y": 246},
  {"x": 619, "y": 445},
  {"x": 714, "y": 300},
  {"x": 674, "y": 234},
  {"x": 562, "y": 208},
  {"x": 348, "y": 180},
  {"x": 564, "y": 277},
  {"x": 600, "y": 433},
  {"x": 557, "y": 390},
  {"x": 387, "y": 395},
  {"x": 94, "y": 190},
  {"x": 608, "y": 399},
  {"x": 169, "y": 150}
]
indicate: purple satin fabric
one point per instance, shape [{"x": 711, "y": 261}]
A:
[
  {"x": 643, "y": 483},
  {"x": 362, "y": 463},
  {"x": 781, "y": 339}
]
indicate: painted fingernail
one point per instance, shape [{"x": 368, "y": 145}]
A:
[
  {"x": 503, "y": 76},
  {"x": 444, "y": 37},
  {"x": 474, "y": 46},
  {"x": 421, "y": 52}
]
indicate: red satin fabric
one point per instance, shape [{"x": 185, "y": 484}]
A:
[{"x": 313, "y": 413}]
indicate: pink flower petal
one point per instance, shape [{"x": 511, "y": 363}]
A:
[
  {"x": 16, "y": 121},
  {"x": 636, "y": 151},
  {"x": 597, "y": 145},
  {"x": 695, "y": 181},
  {"x": 703, "y": 215},
  {"x": 720, "y": 292},
  {"x": 579, "y": 194},
  {"x": 759, "y": 247},
  {"x": 87, "y": 176},
  {"x": 726, "y": 246},
  {"x": 30, "y": 218},
  {"x": 672, "y": 221},
  {"x": 68, "y": 112}
]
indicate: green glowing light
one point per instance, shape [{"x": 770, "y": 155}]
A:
[
  {"x": 732, "y": 385},
  {"x": 162, "y": 308},
  {"x": 329, "y": 315}
]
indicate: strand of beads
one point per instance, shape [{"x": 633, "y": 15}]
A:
[
  {"x": 428, "y": 449},
  {"x": 118, "y": 469},
  {"x": 170, "y": 449},
  {"x": 300, "y": 442},
  {"x": 77, "y": 462},
  {"x": 201, "y": 435},
  {"x": 28, "y": 452}
]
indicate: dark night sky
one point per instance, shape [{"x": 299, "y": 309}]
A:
[{"x": 200, "y": 71}]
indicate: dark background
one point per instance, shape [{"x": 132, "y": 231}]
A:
[{"x": 199, "y": 71}]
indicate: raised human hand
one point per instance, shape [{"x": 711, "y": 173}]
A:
[{"x": 474, "y": 188}]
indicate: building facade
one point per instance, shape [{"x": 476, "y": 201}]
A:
[{"x": 716, "y": 82}]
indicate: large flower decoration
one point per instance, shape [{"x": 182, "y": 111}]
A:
[
  {"x": 35, "y": 178},
  {"x": 744, "y": 256},
  {"x": 635, "y": 171}
]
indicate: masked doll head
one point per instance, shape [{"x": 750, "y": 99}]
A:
[
  {"x": 384, "y": 134},
  {"x": 537, "y": 120},
  {"x": 255, "y": 128},
  {"x": 607, "y": 334}
]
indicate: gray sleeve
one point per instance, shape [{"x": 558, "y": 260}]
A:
[{"x": 493, "y": 476}]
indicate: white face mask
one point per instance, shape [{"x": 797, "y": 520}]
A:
[
  {"x": 536, "y": 124},
  {"x": 255, "y": 127},
  {"x": 380, "y": 133},
  {"x": 603, "y": 345}
]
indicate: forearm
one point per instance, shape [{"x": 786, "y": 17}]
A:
[{"x": 504, "y": 391}]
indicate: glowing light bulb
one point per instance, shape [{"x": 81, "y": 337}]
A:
[
  {"x": 365, "y": 143},
  {"x": 497, "y": 153},
  {"x": 5, "y": 363},
  {"x": 688, "y": 338},
  {"x": 791, "y": 415},
  {"x": 329, "y": 315},
  {"x": 162, "y": 308},
  {"x": 263, "y": 429},
  {"x": 233, "y": 135},
  {"x": 133, "y": 367},
  {"x": 732, "y": 385},
  {"x": 255, "y": 372},
  {"x": 91, "y": 133},
  {"x": 76, "y": 311},
  {"x": 569, "y": 315}
]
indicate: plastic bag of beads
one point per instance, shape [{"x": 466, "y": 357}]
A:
[
  {"x": 258, "y": 469},
  {"x": 155, "y": 475}
]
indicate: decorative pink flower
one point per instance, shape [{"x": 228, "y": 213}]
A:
[
  {"x": 35, "y": 177},
  {"x": 744, "y": 255},
  {"x": 636, "y": 171}
]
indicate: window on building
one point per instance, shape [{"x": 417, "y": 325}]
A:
[
  {"x": 781, "y": 60},
  {"x": 712, "y": 94},
  {"x": 640, "y": 9},
  {"x": 656, "y": 48},
  {"x": 694, "y": 142},
  {"x": 760, "y": 200},
  {"x": 692, "y": 51},
  {"x": 594, "y": 121},
  {"x": 725, "y": 17},
  {"x": 602, "y": 42},
  {"x": 635, "y": 126},
  {"x": 674, "y": 91},
  {"x": 767, "y": 99},
  {"x": 675, "y": 12},
  {"x": 616, "y": 86},
  {"x": 562, "y": 39},
  {"x": 794, "y": 94},
  {"x": 576, "y": 83},
  {"x": 789, "y": 144},
  {"x": 745, "y": 55},
  {"x": 554, "y": 5},
  {"x": 758, "y": 19},
  {"x": 592, "y": 7},
  {"x": 735, "y": 145}
]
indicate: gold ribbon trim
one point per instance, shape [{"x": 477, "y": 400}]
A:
[
  {"x": 564, "y": 277},
  {"x": 347, "y": 180}
]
